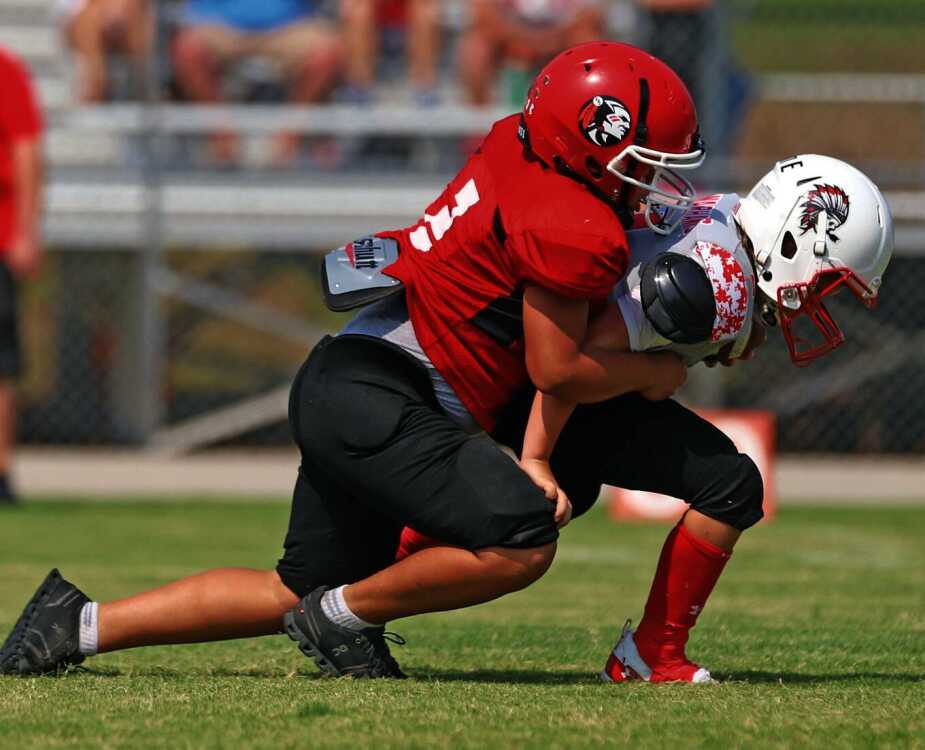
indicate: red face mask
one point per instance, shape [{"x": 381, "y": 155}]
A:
[{"x": 804, "y": 350}]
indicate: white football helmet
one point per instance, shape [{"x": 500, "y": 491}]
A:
[{"x": 818, "y": 225}]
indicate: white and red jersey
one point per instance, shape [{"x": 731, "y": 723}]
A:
[
  {"x": 707, "y": 234},
  {"x": 505, "y": 221}
]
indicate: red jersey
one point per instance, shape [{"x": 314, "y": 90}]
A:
[
  {"x": 19, "y": 119},
  {"x": 505, "y": 221}
]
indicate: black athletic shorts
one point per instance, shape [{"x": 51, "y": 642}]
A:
[
  {"x": 10, "y": 362},
  {"x": 654, "y": 446},
  {"x": 379, "y": 454}
]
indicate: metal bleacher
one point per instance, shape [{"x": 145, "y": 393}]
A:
[{"x": 112, "y": 165}]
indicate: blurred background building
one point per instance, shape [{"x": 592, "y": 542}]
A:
[{"x": 202, "y": 154}]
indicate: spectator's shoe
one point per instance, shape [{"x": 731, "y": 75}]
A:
[
  {"x": 7, "y": 495},
  {"x": 626, "y": 663},
  {"x": 340, "y": 651},
  {"x": 46, "y": 638}
]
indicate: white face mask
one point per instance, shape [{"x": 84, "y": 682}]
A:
[{"x": 668, "y": 193}]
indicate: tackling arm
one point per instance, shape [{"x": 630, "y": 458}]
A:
[{"x": 562, "y": 363}]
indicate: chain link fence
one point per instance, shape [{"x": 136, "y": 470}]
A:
[
  {"x": 138, "y": 329},
  {"x": 83, "y": 383}
]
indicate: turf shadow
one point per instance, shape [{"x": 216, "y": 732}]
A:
[
  {"x": 803, "y": 678},
  {"x": 510, "y": 676},
  {"x": 165, "y": 673}
]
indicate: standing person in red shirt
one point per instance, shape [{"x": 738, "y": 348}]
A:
[
  {"x": 20, "y": 237},
  {"x": 491, "y": 289}
]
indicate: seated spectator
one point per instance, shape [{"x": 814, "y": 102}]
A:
[
  {"x": 95, "y": 30},
  {"x": 290, "y": 33},
  {"x": 515, "y": 38},
  {"x": 416, "y": 21}
]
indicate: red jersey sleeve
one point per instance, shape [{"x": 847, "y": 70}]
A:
[
  {"x": 584, "y": 267},
  {"x": 20, "y": 117}
]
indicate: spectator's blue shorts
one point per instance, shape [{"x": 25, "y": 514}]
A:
[{"x": 248, "y": 15}]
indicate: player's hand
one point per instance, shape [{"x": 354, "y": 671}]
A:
[
  {"x": 669, "y": 374},
  {"x": 756, "y": 338},
  {"x": 24, "y": 256},
  {"x": 541, "y": 474}
]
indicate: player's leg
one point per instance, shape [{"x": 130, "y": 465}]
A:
[
  {"x": 367, "y": 419},
  {"x": 216, "y": 605},
  {"x": 61, "y": 626},
  {"x": 663, "y": 447},
  {"x": 9, "y": 371},
  {"x": 330, "y": 540}
]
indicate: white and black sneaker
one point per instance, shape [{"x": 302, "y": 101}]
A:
[
  {"x": 46, "y": 638},
  {"x": 340, "y": 651}
]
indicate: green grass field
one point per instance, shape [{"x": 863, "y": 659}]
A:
[{"x": 817, "y": 632}]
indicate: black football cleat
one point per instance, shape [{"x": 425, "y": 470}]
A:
[
  {"x": 46, "y": 638},
  {"x": 340, "y": 651}
]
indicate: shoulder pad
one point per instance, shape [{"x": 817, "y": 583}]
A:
[
  {"x": 677, "y": 298},
  {"x": 352, "y": 276}
]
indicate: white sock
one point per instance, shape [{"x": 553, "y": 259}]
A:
[
  {"x": 90, "y": 629},
  {"x": 336, "y": 610}
]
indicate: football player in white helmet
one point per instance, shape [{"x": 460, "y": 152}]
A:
[{"x": 812, "y": 226}]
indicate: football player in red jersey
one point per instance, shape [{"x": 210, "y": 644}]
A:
[{"x": 391, "y": 415}]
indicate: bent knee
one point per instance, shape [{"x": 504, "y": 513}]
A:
[
  {"x": 519, "y": 567},
  {"x": 736, "y": 494}
]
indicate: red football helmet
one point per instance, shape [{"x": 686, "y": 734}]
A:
[{"x": 622, "y": 121}]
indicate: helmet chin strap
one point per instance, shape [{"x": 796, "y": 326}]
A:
[{"x": 642, "y": 129}]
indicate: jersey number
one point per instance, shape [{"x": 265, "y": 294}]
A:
[{"x": 441, "y": 222}]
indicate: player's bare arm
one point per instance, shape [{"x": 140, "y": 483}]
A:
[
  {"x": 547, "y": 418},
  {"x": 556, "y": 323},
  {"x": 559, "y": 362}
]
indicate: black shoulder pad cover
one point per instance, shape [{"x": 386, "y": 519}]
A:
[{"x": 677, "y": 298}]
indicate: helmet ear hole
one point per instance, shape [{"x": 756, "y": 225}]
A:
[
  {"x": 788, "y": 247},
  {"x": 594, "y": 167}
]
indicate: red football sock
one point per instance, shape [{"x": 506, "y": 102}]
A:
[
  {"x": 413, "y": 541},
  {"x": 688, "y": 569}
]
